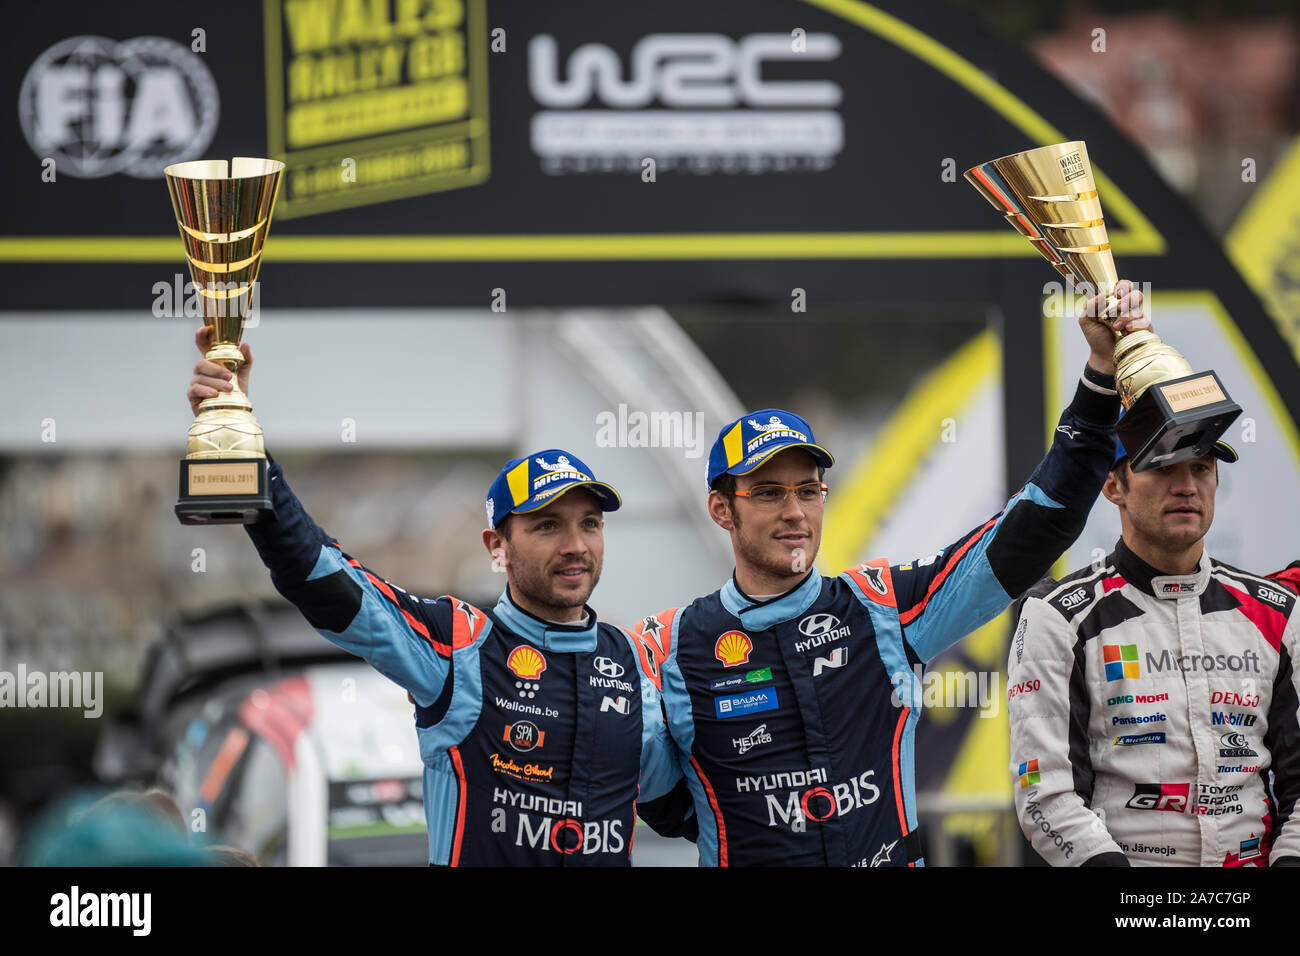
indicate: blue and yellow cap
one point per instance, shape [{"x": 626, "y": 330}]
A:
[
  {"x": 527, "y": 484},
  {"x": 752, "y": 439}
]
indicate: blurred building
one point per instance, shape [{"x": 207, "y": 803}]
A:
[{"x": 1199, "y": 96}]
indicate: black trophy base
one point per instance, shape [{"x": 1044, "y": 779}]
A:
[
  {"x": 1176, "y": 420},
  {"x": 223, "y": 491}
]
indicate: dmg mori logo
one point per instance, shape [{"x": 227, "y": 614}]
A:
[
  {"x": 682, "y": 70},
  {"x": 814, "y": 625}
]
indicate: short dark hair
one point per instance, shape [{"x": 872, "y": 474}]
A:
[
  {"x": 1121, "y": 470},
  {"x": 503, "y": 528}
]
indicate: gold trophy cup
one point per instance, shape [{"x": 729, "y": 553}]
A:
[
  {"x": 224, "y": 216},
  {"x": 1049, "y": 196}
]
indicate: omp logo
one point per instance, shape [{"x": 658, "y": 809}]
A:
[
  {"x": 1172, "y": 797},
  {"x": 681, "y": 70},
  {"x": 838, "y": 658},
  {"x": 99, "y": 107},
  {"x": 1272, "y": 597},
  {"x": 1074, "y": 598},
  {"x": 620, "y": 704}
]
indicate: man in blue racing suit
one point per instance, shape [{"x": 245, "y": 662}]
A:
[
  {"x": 540, "y": 739},
  {"x": 792, "y": 697}
]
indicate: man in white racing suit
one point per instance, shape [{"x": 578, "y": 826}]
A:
[{"x": 1153, "y": 696}]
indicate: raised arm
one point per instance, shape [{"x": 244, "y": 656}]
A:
[
  {"x": 968, "y": 583},
  {"x": 405, "y": 638}
]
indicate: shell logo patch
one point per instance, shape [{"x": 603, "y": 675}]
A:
[
  {"x": 526, "y": 662},
  {"x": 733, "y": 649}
]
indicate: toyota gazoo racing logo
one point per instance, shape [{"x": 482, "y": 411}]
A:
[
  {"x": 1172, "y": 797},
  {"x": 1215, "y": 800},
  {"x": 795, "y": 809},
  {"x": 696, "y": 102},
  {"x": 98, "y": 106}
]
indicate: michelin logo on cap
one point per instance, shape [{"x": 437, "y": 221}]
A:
[{"x": 526, "y": 484}]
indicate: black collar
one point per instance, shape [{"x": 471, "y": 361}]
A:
[{"x": 1157, "y": 583}]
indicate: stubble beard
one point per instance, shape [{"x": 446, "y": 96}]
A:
[{"x": 538, "y": 587}]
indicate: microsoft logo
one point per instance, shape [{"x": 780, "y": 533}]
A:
[
  {"x": 1029, "y": 773},
  {"x": 1121, "y": 661}
]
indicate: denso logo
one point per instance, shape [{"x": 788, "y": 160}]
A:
[
  {"x": 1230, "y": 698},
  {"x": 821, "y": 803},
  {"x": 682, "y": 70},
  {"x": 1025, "y": 687}
]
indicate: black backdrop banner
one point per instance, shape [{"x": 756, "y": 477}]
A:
[{"x": 572, "y": 154}]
